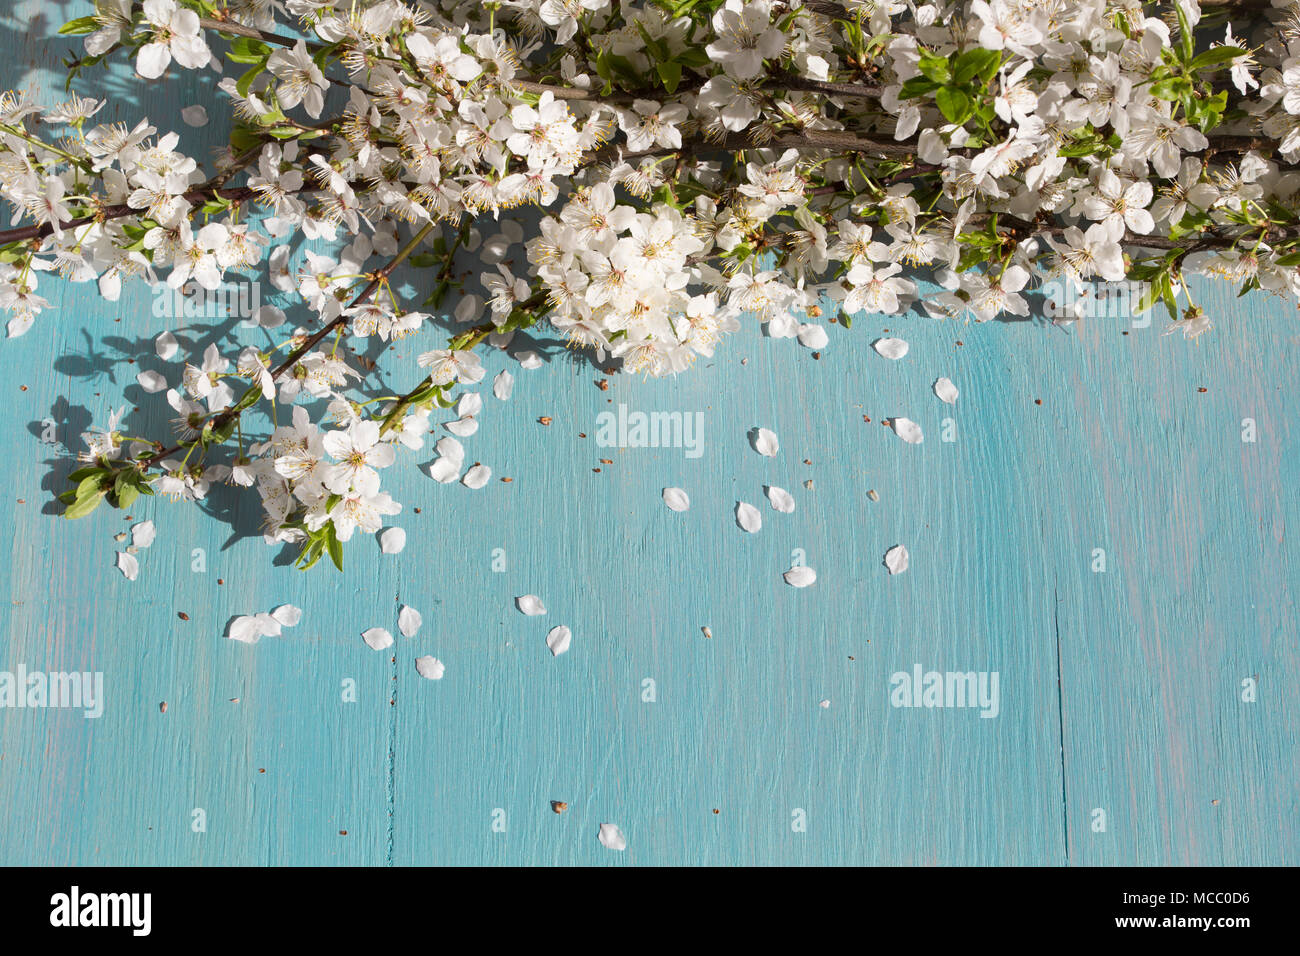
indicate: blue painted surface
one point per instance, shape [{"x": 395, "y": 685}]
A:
[{"x": 1119, "y": 690}]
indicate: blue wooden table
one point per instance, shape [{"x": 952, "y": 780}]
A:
[{"x": 1122, "y": 735}]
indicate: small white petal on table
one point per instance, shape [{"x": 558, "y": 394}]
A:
[
  {"x": 142, "y": 534},
  {"x": 128, "y": 565},
  {"x": 503, "y": 385},
  {"x": 611, "y": 837},
  {"x": 748, "y": 518},
  {"x": 287, "y": 615},
  {"x": 897, "y": 559},
  {"x": 392, "y": 540},
  {"x": 824, "y": 705},
  {"x": 445, "y": 470},
  {"x": 891, "y": 348},
  {"x": 676, "y": 499},
  {"x": 151, "y": 382},
  {"x": 244, "y": 629},
  {"x": 530, "y": 604},
  {"x": 800, "y": 577},
  {"x": 813, "y": 336},
  {"x": 195, "y": 116},
  {"x": 470, "y": 403},
  {"x": 463, "y": 427},
  {"x": 907, "y": 430},
  {"x": 477, "y": 476},
  {"x": 409, "y": 620},
  {"x": 764, "y": 442},
  {"x": 780, "y": 498},
  {"x": 430, "y": 668},
  {"x": 529, "y": 360},
  {"x": 270, "y": 626},
  {"x": 165, "y": 345},
  {"x": 946, "y": 391},
  {"x": 377, "y": 638},
  {"x": 558, "y": 640}
]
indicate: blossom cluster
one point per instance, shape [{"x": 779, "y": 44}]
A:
[{"x": 691, "y": 163}]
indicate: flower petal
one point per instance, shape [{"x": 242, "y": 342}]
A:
[
  {"x": 530, "y": 604},
  {"x": 477, "y": 476},
  {"x": 430, "y": 668},
  {"x": 128, "y": 565},
  {"x": 800, "y": 576},
  {"x": 907, "y": 430},
  {"x": 287, "y": 615},
  {"x": 891, "y": 348},
  {"x": 142, "y": 534},
  {"x": 747, "y": 517},
  {"x": 764, "y": 442},
  {"x": 676, "y": 499},
  {"x": 378, "y": 638},
  {"x": 897, "y": 559},
  {"x": 946, "y": 391},
  {"x": 557, "y": 639},
  {"x": 781, "y": 499},
  {"x": 611, "y": 837},
  {"x": 392, "y": 540},
  {"x": 409, "y": 621}
]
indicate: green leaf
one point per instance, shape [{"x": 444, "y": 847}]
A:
[
  {"x": 334, "y": 545},
  {"x": 671, "y": 74},
  {"x": 1215, "y": 56},
  {"x": 935, "y": 67},
  {"x": 79, "y": 27},
  {"x": 976, "y": 63},
  {"x": 84, "y": 506},
  {"x": 955, "y": 105},
  {"x": 917, "y": 86}
]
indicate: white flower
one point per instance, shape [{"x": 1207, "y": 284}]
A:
[
  {"x": 358, "y": 453},
  {"x": 301, "y": 80},
  {"x": 174, "y": 34}
]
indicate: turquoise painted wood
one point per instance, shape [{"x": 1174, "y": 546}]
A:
[{"x": 1119, "y": 691}]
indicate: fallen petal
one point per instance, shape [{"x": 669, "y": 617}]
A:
[
  {"x": 142, "y": 534},
  {"x": 780, "y": 499},
  {"x": 800, "y": 576},
  {"x": 764, "y": 442},
  {"x": 907, "y": 430},
  {"x": 530, "y": 604},
  {"x": 409, "y": 621},
  {"x": 946, "y": 391},
  {"x": 477, "y": 476},
  {"x": 611, "y": 837},
  {"x": 891, "y": 348},
  {"x": 558, "y": 640},
  {"x": 287, "y": 615},
  {"x": 430, "y": 668},
  {"x": 676, "y": 499},
  {"x": 896, "y": 559},
  {"x": 503, "y": 385},
  {"x": 128, "y": 565},
  {"x": 747, "y": 517},
  {"x": 392, "y": 540},
  {"x": 378, "y": 638}
]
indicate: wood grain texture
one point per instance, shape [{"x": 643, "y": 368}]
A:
[{"x": 1119, "y": 690}]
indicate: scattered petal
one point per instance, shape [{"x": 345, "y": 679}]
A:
[
  {"x": 611, "y": 837},
  {"x": 195, "y": 116},
  {"x": 142, "y": 534},
  {"x": 558, "y": 640},
  {"x": 430, "y": 668},
  {"x": 907, "y": 430},
  {"x": 463, "y": 427},
  {"x": 896, "y": 559},
  {"x": 676, "y": 499},
  {"x": 824, "y": 705},
  {"x": 166, "y": 347},
  {"x": 287, "y": 615},
  {"x": 409, "y": 621},
  {"x": 530, "y": 604},
  {"x": 764, "y": 442},
  {"x": 748, "y": 518},
  {"x": 781, "y": 499},
  {"x": 800, "y": 576},
  {"x": 378, "y": 638},
  {"x": 445, "y": 470},
  {"x": 946, "y": 391},
  {"x": 503, "y": 385},
  {"x": 151, "y": 382},
  {"x": 813, "y": 336},
  {"x": 477, "y": 477},
  {"x": 891, "y": 348},
  {"x": 392, "y": 540},
  {"x": 244, "y": 629},
  {"x": 128, "y": 565},
  {"x": 529, "y": 360}
]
